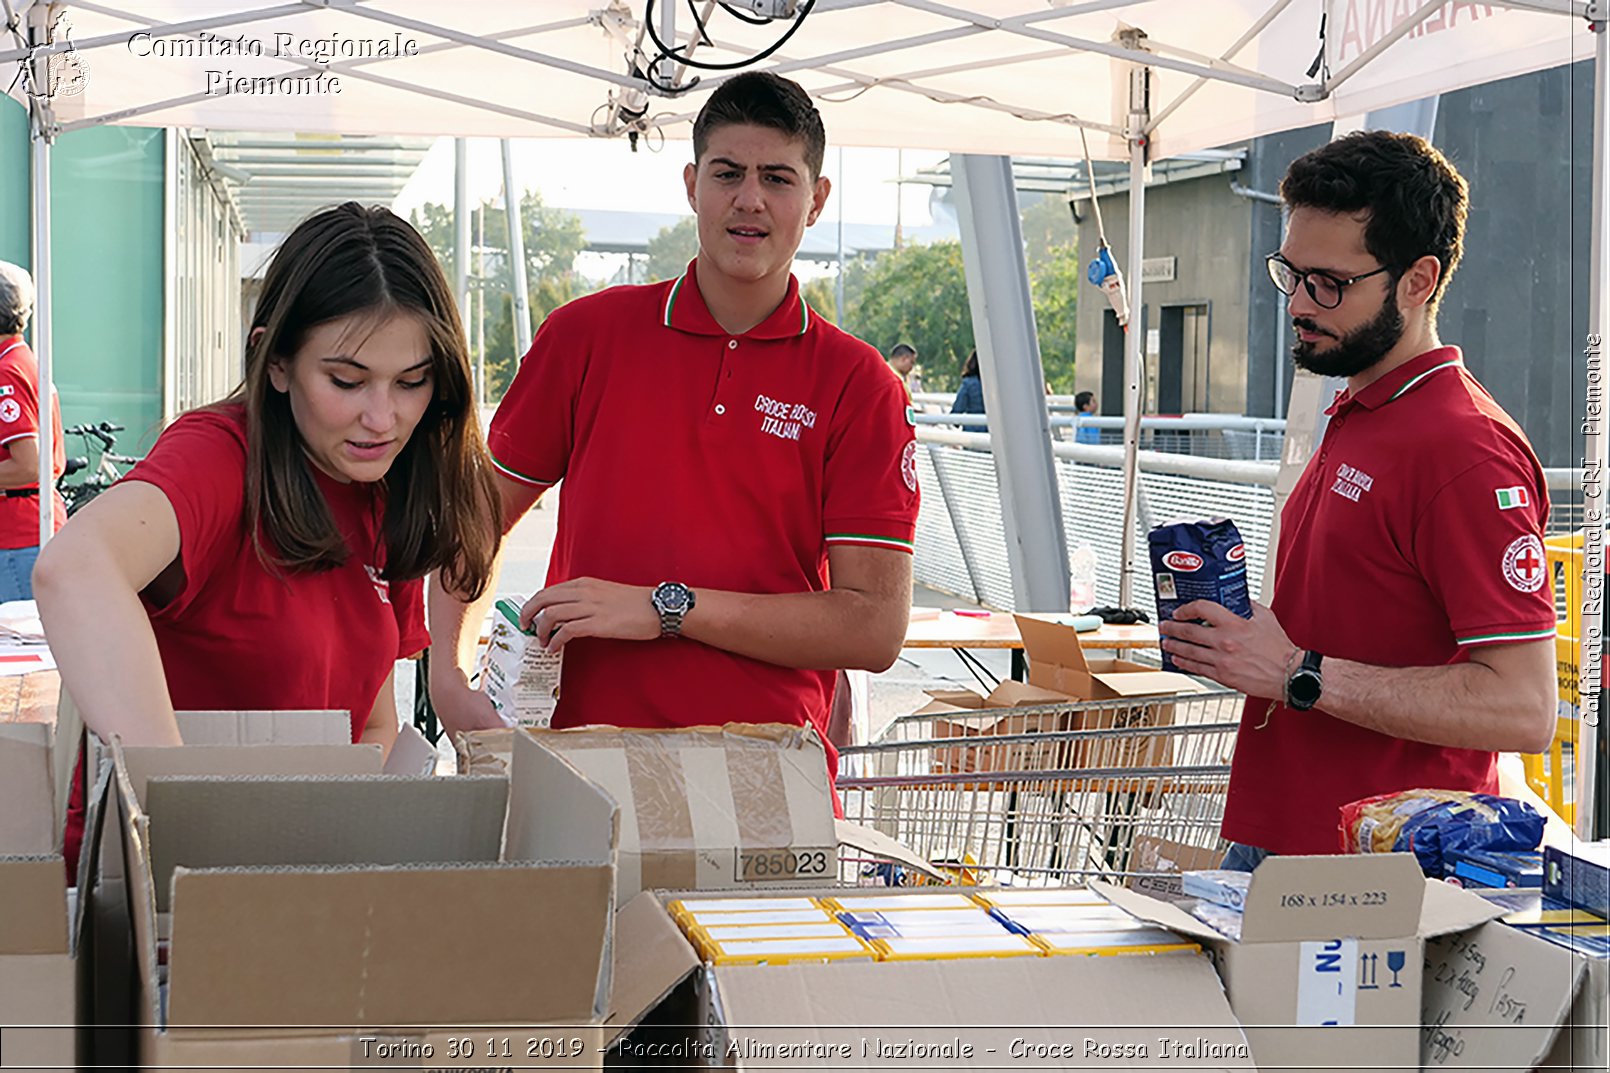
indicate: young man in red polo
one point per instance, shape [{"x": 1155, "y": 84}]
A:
[
  {"x": 1410, "y": 636},
  {"x": 740, "y": 489}
]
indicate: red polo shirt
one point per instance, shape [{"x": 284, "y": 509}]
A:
[
  {"x": 1413, "y": 535},
  {"x": 19, "y": 418},
  {"x": 724, "y": 462}
]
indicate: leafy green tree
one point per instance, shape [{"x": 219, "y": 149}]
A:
[
  {"x": 916, "y": 295},
  {"x": 1048, "y": 229},
  {"x": 821, "y": 295},
  {"x": 1054, "y": 285},
  {"x": 552, "y": 237},
  {"x": 670, "y": 251}
]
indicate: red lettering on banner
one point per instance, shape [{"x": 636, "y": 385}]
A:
[{"x": 1365, "y": 22}]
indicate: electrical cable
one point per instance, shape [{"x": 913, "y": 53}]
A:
[{"x": 667, "y": 52}]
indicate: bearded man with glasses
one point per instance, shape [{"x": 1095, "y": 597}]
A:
[{"x": 1410, "y": 637}]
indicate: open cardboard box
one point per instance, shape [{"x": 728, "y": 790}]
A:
[
  {"x": 38, "y": 995},
  {"x": 984, "y": 1013},
  {"x": 1327, "y": 971},
  {"x": 1094, "y": 694},
  {"x": 295, "y": 886}
]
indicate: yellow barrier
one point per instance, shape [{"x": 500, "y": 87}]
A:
[
  {"x": 1565, "y": 571},
  {"x": 1545, "y": 772}
]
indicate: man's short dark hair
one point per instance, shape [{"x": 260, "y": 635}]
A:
[
  {"x": 762, "y": 99},
  {"x": 1416, "y": 199},
  {"x": 1083, "y": 399},
  {"x": 902, "y": 349}
]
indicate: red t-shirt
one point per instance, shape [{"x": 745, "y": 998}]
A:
[
  {"x": 723, "y": 462},
  {"x": 240, "y": 637},
  {"x": 1413, "y": 535},
  {"x": 19, "y": 417}
]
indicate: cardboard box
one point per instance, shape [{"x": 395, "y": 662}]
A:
[
  {"x": 706, "y": 808},
  {"x": 1494, "y": 998},
  {"x": 38, "y": 996},
  {"x": 1033, "y": 1012},
  {"x": 315, "y": 899},
  {"x": 1066, "y": 691},
  {"x": 1331, "y": 947}
]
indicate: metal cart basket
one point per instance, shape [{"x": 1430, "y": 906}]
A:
[{"x": 1054, "y": 794}]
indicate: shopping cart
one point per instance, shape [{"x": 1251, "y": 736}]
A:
[{"x": 1055, "y": 794}]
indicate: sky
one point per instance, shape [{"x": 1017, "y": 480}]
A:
[{"x": 580, "y": 173}]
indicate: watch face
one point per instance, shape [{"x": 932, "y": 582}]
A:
[
  {"x": 1305, "y": 687},
  {"x": 672, "y": 597}
]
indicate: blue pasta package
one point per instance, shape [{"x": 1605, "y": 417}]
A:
[{"x": 1199, "y": 561}]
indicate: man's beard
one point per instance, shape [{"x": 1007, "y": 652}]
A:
[{"x": 1356, "y": 351}]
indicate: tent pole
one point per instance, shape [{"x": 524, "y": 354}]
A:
[
  {"x": 41, "y": 135},
  {"x": 522, "y": 284},
  {"x": 1135, "y": 334},
  {"x": 1595, "y": 454},
  {"x": 1014, "y": 380}
]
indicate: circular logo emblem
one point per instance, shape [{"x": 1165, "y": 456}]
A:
[
  {"x": 1524, "y": 566},
  {"x": 1237, "y": 553},
  {"x": 1183, "y": 561},
  {"x": 9, "y": 410},
  {"x": 908, "y": 465}
]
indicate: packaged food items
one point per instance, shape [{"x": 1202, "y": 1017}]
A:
[
  {"x": 1204, "y": 560},
  {"x": 1220, "y": 886},
  {"x": 1008, "y": 898},
  {"x": 518, "y": 676},
  {"x": 929, "y": 948},
  {"x": 1436, "y": 824},
  {"x": 1125, "y": 941}
]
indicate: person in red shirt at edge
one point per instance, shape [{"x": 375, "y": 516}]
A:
[
  {"x": 1410, "y": 637},
  {"x": 269, "y": 552},
  {"x": 19, "y": 439},
  {"x": 740, "y": 489}
]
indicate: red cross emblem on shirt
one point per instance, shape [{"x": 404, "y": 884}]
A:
[
  {"x": 1523, "y": 563},
  {"x": 1528, "y": 563}
]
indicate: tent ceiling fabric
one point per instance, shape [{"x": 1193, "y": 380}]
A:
[{"x": 988, "y": 76}]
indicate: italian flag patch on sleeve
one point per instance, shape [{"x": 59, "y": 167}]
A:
[{"x": 1510, "y": 498}]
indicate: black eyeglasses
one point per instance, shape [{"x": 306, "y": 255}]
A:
[{"x": 1324, "y": 288}]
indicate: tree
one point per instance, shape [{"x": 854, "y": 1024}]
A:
[
  {"x": 552, "y": 237},
  {"x": 822, "y": 296},
  {"x": 670, "y": 251},
  {"x": 1048, "y": 230},
  {"x": 1055, "y": 288},
  {"x": 916, "y": 295}
]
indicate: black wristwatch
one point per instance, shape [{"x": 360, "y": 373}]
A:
[
  {"x": 673, "y": 600},
  {"x": 1305, "y": 684}
]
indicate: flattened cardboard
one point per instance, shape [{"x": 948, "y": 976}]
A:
[
  {"x": 354, "y": 946},
  {"x": 265, "y": 728},
  {"x": 710, "y": 808},
  {"x": 27, "y": 797},
  {"x": 33, "y": 891},
  {"x": 1493, "y": 998},
  {"x": 221, "y": 822},
  {"x": 974, "y": 1010}
]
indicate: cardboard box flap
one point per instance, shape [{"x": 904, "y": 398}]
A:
[
  {"x": 142, "y": 763},
  {"x": 1155, "y": 911},
  {"x": 213, "y": 822},
  {"x": 1448, "y": 909},
  {"x": 956, "y": 698},
  {"x": 1049, "y": 643},
  {"x": 363, "y": 946},
  {"x": 265, "y": 728},
  {"x": 1042, "y": 1001},
  {"x": 27, "y": 819},
  {"x": 410, "y": 754},
  {"x": 1012, "y": 694},
  {"x": 863, "y": 838},
  {"x": 756, "y": 786},
  {"x": 33, "y": 891},
  {"x": 1148, "y": 683},
  {"x": 1494, "y": 998},
  {"x": 651, "y": 958},
  {"x": 1361, "y": 896},
  {"x": 543, "y": 787},
  {"x": 939, "y": 707}
]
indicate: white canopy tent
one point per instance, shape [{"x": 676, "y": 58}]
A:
[{"x": 992, "y": 77}]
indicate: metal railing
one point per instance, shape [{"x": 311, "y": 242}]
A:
[{"x": 961, "y": 532}]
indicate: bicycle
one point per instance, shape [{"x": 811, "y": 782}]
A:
[{"x": 103, "y": 475}]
